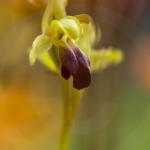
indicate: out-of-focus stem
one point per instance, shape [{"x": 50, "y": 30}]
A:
[
  {"x": 65, "y": 130},
  {"x": 75, "y": 102},
  {"x": 70, "y": 107}
]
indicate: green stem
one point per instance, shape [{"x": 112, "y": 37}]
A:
[
  {"x": 70, "y": 107},
  {"x": 65, "y": 130},
  {"x": 75, "y": 100}
]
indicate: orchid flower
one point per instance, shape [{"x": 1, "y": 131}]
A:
[
  {"x": 60, "y": 37},
  {"x": 66, "y": 48}
]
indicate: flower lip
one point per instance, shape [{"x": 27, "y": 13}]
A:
[
  {"x": 82, "y": 78},
  {"x": 68, "y": 60},
  {"x": 74, "y": 62}
]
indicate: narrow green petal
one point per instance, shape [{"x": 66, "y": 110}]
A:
[
  {"x": 59, "y": 9},
  {"x": 100, "y": 59},
  {"x": 40, "y": 45},
  {"x": 48, "y": 15}
]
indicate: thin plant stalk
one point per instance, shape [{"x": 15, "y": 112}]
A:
[
  {"x": 70, "y": 107},
  {"x": 65, "y": 131}
]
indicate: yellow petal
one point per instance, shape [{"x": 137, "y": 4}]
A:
[
  {"x": 87, "y": 39},
  {"x": 40, "y": 45},
  {"x": 69, "y": 26},
  {"x": 83, "y": 18},
  {"x": 100, "y": 59}
]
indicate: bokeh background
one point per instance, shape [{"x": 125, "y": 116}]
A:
[{"x": 115, "y": 110}]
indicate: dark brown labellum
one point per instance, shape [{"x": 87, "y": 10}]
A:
[{"x": 74, "y": 62}]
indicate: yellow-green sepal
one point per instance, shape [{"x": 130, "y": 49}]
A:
[
  {"x": 48, "y": 15},
  {"x": 100, "y": 59},
  {"x": 40, "y": 45}
]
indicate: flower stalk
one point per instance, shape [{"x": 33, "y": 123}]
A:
[
  {"x": 71, "y": 101},
  {"x": 65, "y": 129}
]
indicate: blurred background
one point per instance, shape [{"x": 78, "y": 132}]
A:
[{"x": 115, "y": 110}]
